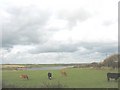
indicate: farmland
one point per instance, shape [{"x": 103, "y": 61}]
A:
[{"x": 76, "y": 78}]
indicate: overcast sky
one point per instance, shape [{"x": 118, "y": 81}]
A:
[{"x": 58, "y": 31}]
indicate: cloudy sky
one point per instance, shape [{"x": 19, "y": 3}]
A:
[{"x": 58, "y": 31}]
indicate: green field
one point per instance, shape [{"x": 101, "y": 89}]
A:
[{"x": 77, "y": 78}]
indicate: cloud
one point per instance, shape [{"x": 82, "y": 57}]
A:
[
  {"x": 81, "y": 53},
  {"x": 81, "y": 47},
  {"x": 74, "y": 16},
  {"x": 55, "y": 46},
  {"x": 25, "y": 26},
  {"x": 60, "y": 31}
]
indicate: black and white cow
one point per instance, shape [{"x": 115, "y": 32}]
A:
[
  {"x": 49, "y": 75},
  {"x": 113, "y": 76}
]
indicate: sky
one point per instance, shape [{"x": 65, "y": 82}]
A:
[{"x": 58, "y": 31}]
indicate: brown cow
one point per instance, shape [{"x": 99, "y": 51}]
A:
[
  {"x": 24, "y": 76},
  {"x": 63, "y": 73}
]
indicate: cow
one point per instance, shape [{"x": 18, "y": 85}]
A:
[
  {"x": 113, "y": 76},
  {"x": 49, "y": 75},
  {"x": 63, "y": 73},
  {"x": 24, "y": 76}
]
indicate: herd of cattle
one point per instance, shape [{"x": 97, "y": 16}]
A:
[{"x": 64, "y": 73}]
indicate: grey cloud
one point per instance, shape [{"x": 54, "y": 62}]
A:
[
  {"x": 64, "y": 53},
  {"x": 95, "y": 51},
  {"x": 110, "y": 47},
  {"x": 26, "y": 26},
  {"x": 53, "y": 47},
  {"x": 90, "y": 47},
  {"x": 73, "y": 17}
]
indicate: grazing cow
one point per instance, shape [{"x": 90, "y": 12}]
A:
[
  {"x": 113, "y": 76},
  {"x": 24, "y": 76},
  {"x": 49, "y": 75},
  {"x": 63, "y": 73}
]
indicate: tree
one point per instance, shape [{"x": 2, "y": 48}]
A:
[{"x": 112, "y": 61}]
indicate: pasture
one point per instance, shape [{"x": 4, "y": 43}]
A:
[{"x": 76, "y": 78}]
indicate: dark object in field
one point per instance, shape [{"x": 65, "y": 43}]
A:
[
  {"x": 113, "y": 76},
  {"x": 24, "y": 76},
  {"x": 49, "y": 75}
]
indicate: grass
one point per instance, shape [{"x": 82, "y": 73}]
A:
[{"x": 77, "y": 78}]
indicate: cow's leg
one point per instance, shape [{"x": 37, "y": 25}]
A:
[
  {"x": 108, "y": 79},
  {"x": 48, "y": 77},
  {"x": 27, "y": 78},
  {"x": 65, "y": 74}
]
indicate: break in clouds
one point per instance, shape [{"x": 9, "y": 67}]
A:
[{"x": 75, "y": 31}]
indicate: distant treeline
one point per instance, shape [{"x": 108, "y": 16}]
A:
[{"x": 113, "y": 61}]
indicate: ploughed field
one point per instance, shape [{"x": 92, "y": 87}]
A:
[{"x": 76, "y": 78}]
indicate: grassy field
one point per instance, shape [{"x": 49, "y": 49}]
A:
[{"x": 77, "y": 78}]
